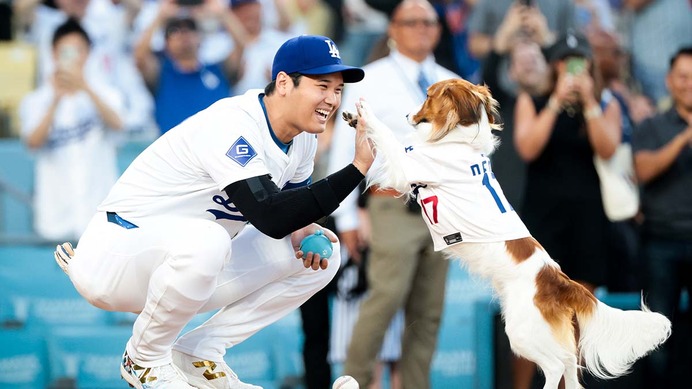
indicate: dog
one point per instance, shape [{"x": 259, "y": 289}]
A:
[{"x": 549, "y": 319}]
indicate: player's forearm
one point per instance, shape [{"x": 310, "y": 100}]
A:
[{"x": 278, "y": 213}]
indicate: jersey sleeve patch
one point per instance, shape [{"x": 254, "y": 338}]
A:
[{"x": 241, "y": 152}]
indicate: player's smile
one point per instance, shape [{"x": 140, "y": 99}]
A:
[{"x": 323, "y": 114}]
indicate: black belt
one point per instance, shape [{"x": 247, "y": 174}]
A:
[{"x": 115, "y": 219}]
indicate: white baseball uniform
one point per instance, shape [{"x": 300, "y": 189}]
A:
[
  {"x": 166, "y": 250},
  {"x": 470, "y": 206}
]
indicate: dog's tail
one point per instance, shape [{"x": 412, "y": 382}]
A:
[{"x": 611, "y": 340}]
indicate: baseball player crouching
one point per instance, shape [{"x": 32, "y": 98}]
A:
[{"x": 211, "y": 215}]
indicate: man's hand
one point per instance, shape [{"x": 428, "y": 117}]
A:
[
  {"x": 167, "y": 10},
  {"x": 312, "y": 260},
  {"x": 365, "y": 154},
  {"x": 537, "y": 26}
]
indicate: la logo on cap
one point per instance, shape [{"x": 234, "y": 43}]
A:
[{"x": 333, "y": 50}]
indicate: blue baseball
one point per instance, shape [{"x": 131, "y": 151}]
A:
[{"x": 317, "y": 243}]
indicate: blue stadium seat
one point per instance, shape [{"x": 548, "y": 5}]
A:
[
  {"x": 455, "y": 360},
  {"x": 23, "y": 359},
  {"x": 16, "y": 188},
  {"x": 253, "y": 359},
  {"x": 288, "y": 349},
  {"x": 38, "y": 293},
  {"x": 91, "y": 356}
]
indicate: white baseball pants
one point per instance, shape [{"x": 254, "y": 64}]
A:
[{"x": 171, "y": 268}]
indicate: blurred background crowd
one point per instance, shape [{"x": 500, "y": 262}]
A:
[{"x": 591, "y": 92}]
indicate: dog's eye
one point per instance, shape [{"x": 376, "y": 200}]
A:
[{"x": 423, "y": 120}]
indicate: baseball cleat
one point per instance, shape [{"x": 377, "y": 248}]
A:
[
  {"x": 63, "y": 254},
  {"x": 208, "y": 374},
  {"x": 160, "y": 377}
]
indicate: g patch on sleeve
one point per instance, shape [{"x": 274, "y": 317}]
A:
[{"x": 241, "y": 152}]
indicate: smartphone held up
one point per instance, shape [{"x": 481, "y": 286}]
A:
[{"x": 576, "y": 65}]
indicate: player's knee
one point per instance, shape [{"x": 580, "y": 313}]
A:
[{"x": 207, "y": 249}]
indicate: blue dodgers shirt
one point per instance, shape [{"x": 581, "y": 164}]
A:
[{"x": 182, "y": 94}]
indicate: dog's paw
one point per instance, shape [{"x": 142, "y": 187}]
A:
[
  {"x": 369, "y": 121},
  {"x": 364, "y": 110},
  {"x": 350, "y": 118}
]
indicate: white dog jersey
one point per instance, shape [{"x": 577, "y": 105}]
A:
[
  {"x": 185, "y": 171},
  {"x": 470, "y": 206}
]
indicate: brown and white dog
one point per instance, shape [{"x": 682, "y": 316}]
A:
[{"x": 445, "y": 168}]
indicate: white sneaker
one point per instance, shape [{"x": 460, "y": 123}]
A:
[
  {"x": 63, "y": 254},
  {"x": 160, "y": 377},
  {"x": 207, "y": 374}
]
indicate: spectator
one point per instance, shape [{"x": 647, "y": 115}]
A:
[
  {"x": 527, "y": 71},
  {"x": 624, "y": 269},
  {"x": 658, "y": 29},
  {"x": 403, "y": 270},
  {"x": 262, "y": 41},
  {"x": 612, "y": 63},
  {"x": 522, "y": 24},
  {"x": 108, "y": 26},
  {"x": 663, "y": 163},
  {"x": 177, "y": 73},
  {"x": 493, "y": 17},
  {"x": 67, "y": 122},
  {"x": 557, "y": 135},
  {"x": 364, "y": 26},
  {"x": 452, "y": 18}
]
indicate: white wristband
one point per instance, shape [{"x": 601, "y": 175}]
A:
[{"x": 593, "y": 112}]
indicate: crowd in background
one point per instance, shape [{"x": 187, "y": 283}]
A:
[{"x": 110, "y": 70}]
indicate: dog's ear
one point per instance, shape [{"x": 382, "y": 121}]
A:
[
  {"x": 464, "y": 103},
  {"x": 490, "y": 104}
]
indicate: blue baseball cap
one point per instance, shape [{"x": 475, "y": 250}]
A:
[{"x": 312, "y": 55}]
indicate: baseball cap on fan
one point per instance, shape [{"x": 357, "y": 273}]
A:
[
  {"x": 570, "y": 44},
  {"x": 313, "y": 55}
]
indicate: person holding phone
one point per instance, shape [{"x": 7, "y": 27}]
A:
[
  {"x": 558, "y": 134},
  {"x": 67, "y": 122},
  {"x": 492, "y": 21}
]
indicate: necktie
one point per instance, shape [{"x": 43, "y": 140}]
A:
[{"x": 423, "y": 82}]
